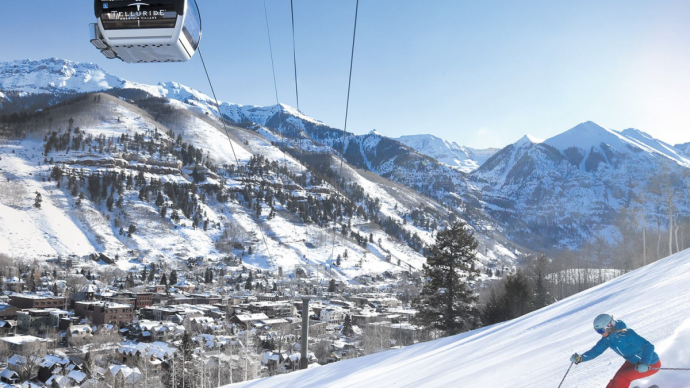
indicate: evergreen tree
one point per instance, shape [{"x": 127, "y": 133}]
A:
[
  {"x": 38, "y": 200},
  {"x": 159, "y": 200},
  {"x": 541, "y": 295},
  {"x": 173, "y": 277},
  {"x": 144, "y": 274},
  {"x": 197, "y": 176},
  {"x": 187, "y": 347},
  {"x": 446, "y": 303},
  {"x": 152, "y": 274},
  {"x": 109, "y": 202},
  {"x": 347, "y": 326},
  {"x": 518, "y": 295},
  {"x": 331, "y": 286},
  {"x": 248, "y": 284},
  {"x": 494, "y": 311},
  {"x": 164, "y": 280}
]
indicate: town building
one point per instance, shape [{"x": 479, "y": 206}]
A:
[
  {"x": 33, "y": 301},
  {"x": 105, "y": 312}
]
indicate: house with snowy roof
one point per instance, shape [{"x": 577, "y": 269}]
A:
[
  {"x": 79, "y": 334},
  {"x": 247, "y": 320},
  {"x": 59, "y": 380},
  {"x": 52, "y": 365},
  {"x": 25, "y": 344},
  {"x": 123, "y": 373},
  {"x": 154, "y": 353},
  {"x": 9, "y": 376}
]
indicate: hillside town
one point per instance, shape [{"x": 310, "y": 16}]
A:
[{"x": 73, "y": 321}]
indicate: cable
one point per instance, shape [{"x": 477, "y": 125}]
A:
[
  {"x": 299, "y": 120},
  {"x": 347, "y": 109},
  {"x": 275, "y": 88},
  {"x": 222, "y": 120},
  {"x": 275, "y": 83}
]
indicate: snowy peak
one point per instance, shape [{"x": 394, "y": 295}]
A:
[
  {"x": 587, "y": 135},
  {"x": 55, "y": 75},
  {"x": 450, "y": 153},
  {"x": 528, "y": 140}
]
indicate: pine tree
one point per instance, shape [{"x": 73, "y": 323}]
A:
[
  {"x": 159, "y": 200},
  {"x": 164, "y": 280},
  {"x": 494, "y": 311},
  {"x": 347, "y": 326},
  {"x": 446, "y": 303},
  {"x": 331, "y": 286},
  {"x": 518, "y": 295},
  {"x": 248, "y": 284},
  {"x": 173, "y": 277},
  {"x": 541, "y": 295},
  {"x": 152, "y": 274},
  {"x": 38, "y": 200},
  {"x": 109, "y": 202}
]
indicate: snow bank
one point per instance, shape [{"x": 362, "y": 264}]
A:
[
  {"x": 674, "y": 353},
  {"x": 534, "y": 350}
]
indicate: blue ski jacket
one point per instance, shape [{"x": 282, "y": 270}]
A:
[{"x": 626, "y": 343}]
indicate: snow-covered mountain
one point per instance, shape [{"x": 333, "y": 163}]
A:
[
  {"x": 451, "y": 153},
  {"x": 545, "y": 194},
  {"x": 580, "y": 183},
  {"x": 534, "y": 350},
  {"x": 684, "y": 149},
  {"x": 122, "y": 135}
]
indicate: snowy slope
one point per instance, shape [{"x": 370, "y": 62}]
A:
[
  {"x": 534, "y": 350},
  {"x": 451, "y": 153}
]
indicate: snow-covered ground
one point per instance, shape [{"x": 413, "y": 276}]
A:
[{"x": 534, "y": 350}]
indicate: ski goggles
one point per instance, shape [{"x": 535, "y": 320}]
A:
[{"x": 608, "y": 327}]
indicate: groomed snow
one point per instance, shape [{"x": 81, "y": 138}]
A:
[{"x": 534, "y": 350}]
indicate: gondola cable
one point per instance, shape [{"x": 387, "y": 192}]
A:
[
  {"x": 222, "y": 120},
  {"x": 275, "y": 88},
  {"x": 299, "y": 120},
  {"x": 347, "y": 109},
  {"x": 275, "y": 85}
]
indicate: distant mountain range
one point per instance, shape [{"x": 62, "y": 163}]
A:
[
  {"x": 292, "y": 196},
  {"x": 584, "y": 183}
]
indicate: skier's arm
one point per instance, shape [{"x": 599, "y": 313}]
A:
[
  {"x": 596, "y": 350},
  {"x": 647, "y": 349}
]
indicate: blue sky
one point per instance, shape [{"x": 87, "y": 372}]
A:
[{"x": 481, "y": 73}]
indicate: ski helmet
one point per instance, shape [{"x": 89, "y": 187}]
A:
[{"x": 603, "y": 323}]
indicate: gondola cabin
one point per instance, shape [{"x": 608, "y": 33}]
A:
[{"x": 145, "y": 31}]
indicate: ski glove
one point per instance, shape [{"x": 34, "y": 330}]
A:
[
  {"x": 642, "y": 368},
  {"x": 576, "y": 358}
]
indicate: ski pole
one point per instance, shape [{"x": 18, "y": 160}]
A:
[
  {"x": 669, "y": 368},
  {"x": 566, "y": 374}
]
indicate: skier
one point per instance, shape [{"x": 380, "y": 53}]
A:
[{"x": 638, "y": 352}]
